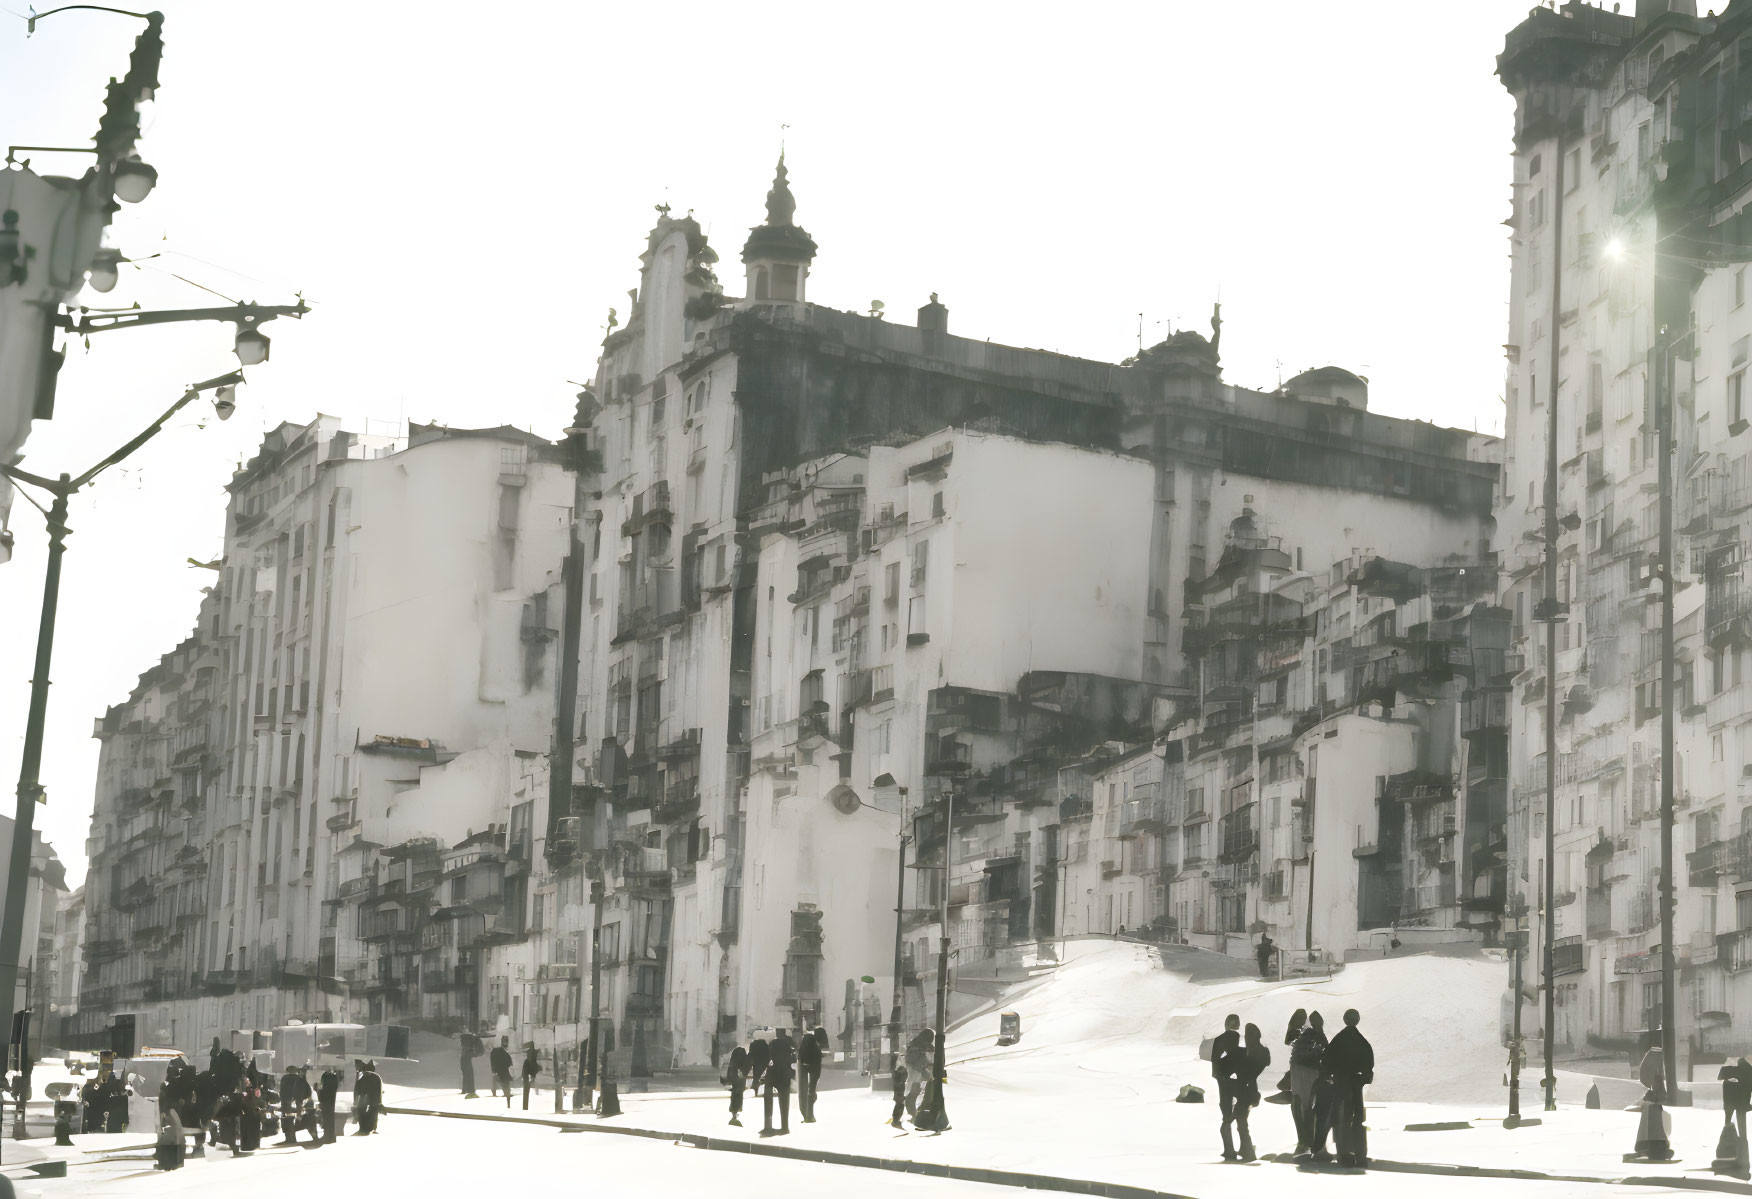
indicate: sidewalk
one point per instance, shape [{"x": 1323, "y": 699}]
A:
[{"x": 1142, "y": 1149}]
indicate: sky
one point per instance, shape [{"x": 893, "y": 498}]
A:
[{"x": 461, "y": 193}]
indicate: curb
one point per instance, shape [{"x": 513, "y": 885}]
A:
[
  {"x": 1037, "y": 1182},
  {"x": 1672, "y": 1182}
]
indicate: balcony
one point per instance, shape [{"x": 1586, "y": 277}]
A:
[
  {"x": 1240, "y": 840},
  {"x": 1566, "y": 955},
  {"x": 1484, "y": 712},
  {"x": 680, "y": 798},
  {"x": 1708, "y": 863},
  {"x": 220, "y": 982},
  {"x": 1734, "y": 950}
]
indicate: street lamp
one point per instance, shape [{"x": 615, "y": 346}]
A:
[
  {"x": 105, "y": 269},
  {"x": 882, "y": 782},
  {"x": 251, "y": 347},
  {"x": 938, "y": 1120},
  {"x": 134, "y": 180}
]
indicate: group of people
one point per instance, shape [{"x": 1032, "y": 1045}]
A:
[
  {"x": 1325, "y": 1086},
  {"x": 1326, "y": 1082},
  {"x": 770, "y": 1067},
  {"x": 231, "y": 1103},
  {"x": 499, "y": 1066}
]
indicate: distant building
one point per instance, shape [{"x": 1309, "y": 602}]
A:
[{"x": 370, "y": 671}]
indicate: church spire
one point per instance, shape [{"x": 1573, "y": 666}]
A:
[{"x": 779, "y": 252}]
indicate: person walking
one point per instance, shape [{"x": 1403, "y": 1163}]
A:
[
  {"x": 1263, "y": 954},
  {"x": 760, "y": 1056},
  {"x": 368, "y": 1098},
  {"x": 531, "y": 1070},
  {"x": 1306, "y": 1053},
  {"x": 920, "y": 1052},
  {"x": 780, "y": 1071},
  {"x": 471, "y": 1048},
  {"x": 327, "y": 1087},
  {"x": 809, "y": 1054},
  {"x": 499, "y": 1061},
  {"x": 294, "y": 1101},
  {"x": 736, "y": 1077},
  {"x": 898, "y": 1082},
  {"x": 1226, "y": 1062},
  {"x": 1349, "y": 1062}
]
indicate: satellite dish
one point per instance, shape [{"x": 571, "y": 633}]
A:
[{"x": 845, "y": 799}]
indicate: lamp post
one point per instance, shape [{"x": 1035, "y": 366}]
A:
[
  {"x": 30, "y": 788},
  {"x": 933, "y": 1115},
  {"x": 894, "y": 1016}
]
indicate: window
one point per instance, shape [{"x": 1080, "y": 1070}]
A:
[
  {"x": 1533, "y": 167},
  {"x": 1740, "y": 287},
  {"x": 784, "y": 284},
  {"x": 921, "y": 557},
  {"x": 893, "y": 580},
  {"x": 1573, "y": 168},
  {"x": 1737, "y": 397},
  {"x": 936, "y": 503},
  {"x": 1644, "y": 142}
]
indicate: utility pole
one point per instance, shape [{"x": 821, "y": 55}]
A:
[
  {"x": 895, "y": 1023},
  {"x": 1518, "y": 941},
  {"x": 595, "y": 1065},
  {"x": 1551, "y": 612},
  {"x": 939, "y": 1116},
  {"x": 1664, "y": 425}
]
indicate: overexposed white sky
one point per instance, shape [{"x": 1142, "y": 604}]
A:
[{"x": 462, "y": 192}]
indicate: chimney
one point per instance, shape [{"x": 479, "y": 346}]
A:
[{"x": 934, "y": 324}]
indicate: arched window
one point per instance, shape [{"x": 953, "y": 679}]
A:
[{"x": 760, "y": 283}]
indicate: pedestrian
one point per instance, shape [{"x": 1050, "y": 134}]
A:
[
  {"x": 1652, "y": 1142},
  {"x": 760, "y": 1056},
  {"x": 249, "y": 1119},
  {"x": 781, "y": 1070},
  {"x": 531, "y": 1070},
  {"x": 1226, "y": 1063},
  {"x": 736, "y": 1077},
  {"x": 1263, "y": 953},
  {"x": 228, "y": 1117},
  {"x": 326, "y": 1089},
  {"x": 920, "y": 1054},
  {"x": 500, "y": 1062},
  {"x": 92, "y": 1105},
  {"x": 471, "y": 1049},
  {"x": 899, "y": 1084},
  {"x": 1349, "y": 1062},
  {"x": 368, "y": 1097},
  {"x": 809, "y": 1054},
  {"x": 1252, "y": 1062},
  {"x": 294, "y": 1102},
  {"x": 1306, "y": 1053},
  {"x": 1120, "y": 935},
  {"x": 206, "y": 1102}
]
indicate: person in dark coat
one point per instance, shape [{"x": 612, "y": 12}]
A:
[
  {"x": 1349, "y": 1062},
  {"x": 327, "y": 1087},
  {"x": 809, "y": 1054},
  {"x": 1263, "y": 954},
  {"x": 249, "y": 1120},
  {"x": 294, "y": 1102},
  {"x": 93, "y": 1106},
  {"x": 471, "y": 1049},
  {"x": 736, "y": 1074},
  {"x": 780, "y": 1071},
  {"x": 899, "y": 1084},
  {"x": 228, "y": 1117},
  {"x": 531, "y": 1071},
  {"x": 1250, "y": 1063},
  {"x": 1306, "y": 1053},
  {"x": 920, "y": 1052},
  {"x": 1226, "y": 1063},
  {"x": 368, "y": 1098},
  {"x": 499, "y": 1061},
  {"x": 760, "y": 1056},
  {"x": 207, "y": 1094}
]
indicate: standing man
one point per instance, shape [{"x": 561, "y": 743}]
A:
[
  {"x": 471, "y": 1049},
  {"x": 294, "y": 1099},
  {"x": 368, "y": 1098},
  {"x": 499, "y": 1061},
  {"x": 920, "y": 1053},
  {"x": 1306, "y": 1053},
  {"x": 1263, "y": 953},
  {"x": 327, "y": 1087},
  {"x": 780, "y": 1071},
  {"x": 1226, "y": 1063},
  {"x": 809, "y": 1052},
  {"x": 899, "y": 1084},
  {"x": 760, "y": 1056},
  {"x": 736, "y": 1077},
  {"x": 531, "y": 1070},
  {"x": 1350, "y": 1064},
  {"x": 1252, "y": 1061}
]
